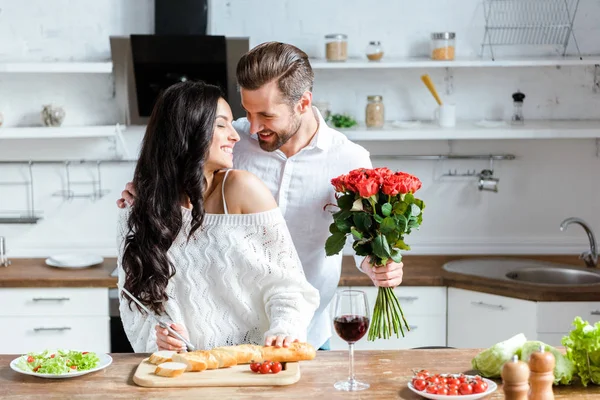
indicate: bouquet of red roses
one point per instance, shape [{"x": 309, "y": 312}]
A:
[{"x": 377, "y": 207}]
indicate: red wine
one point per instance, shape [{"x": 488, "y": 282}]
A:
[{"x": 351, "y": 328}]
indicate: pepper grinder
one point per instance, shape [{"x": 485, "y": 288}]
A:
[
  {"x": 515, "y": 379},
  {"x": 541, "y": 364},
  {"x": 517, "y": 118}
]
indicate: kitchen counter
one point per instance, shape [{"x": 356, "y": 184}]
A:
[
  {"x": 388, "y": 373},
  {"x": 419, "y": 270}
]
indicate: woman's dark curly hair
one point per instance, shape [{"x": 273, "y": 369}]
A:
[{"x": 170, "y": 167}]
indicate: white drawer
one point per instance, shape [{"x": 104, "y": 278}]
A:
[
  {"x": 557, "y": 317},
  {"x": 425, "y": 331},
  {"x": 54, "y": 301},
  {"x": 25, "y": 334},
  {"x": 415, "y": 300},
  {"x": 479, "y": 320}
]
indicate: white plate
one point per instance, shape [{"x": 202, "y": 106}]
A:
[
  {"x": 105, "y": 361},
  {"x": 74, "y": 260},
  {"x": 486, "y": 123},
  {"x": 491, "y": 389},
  {"x": 406, "y": 124}
]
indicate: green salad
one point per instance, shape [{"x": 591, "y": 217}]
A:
[{"x": 59, "y": 362}]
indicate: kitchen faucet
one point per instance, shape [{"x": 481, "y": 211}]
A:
[
  {"x": 4, "y": 261},
  {"x": 589, "y": 257}
]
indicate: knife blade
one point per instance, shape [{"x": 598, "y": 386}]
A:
[{"x": 189, "y": 346}]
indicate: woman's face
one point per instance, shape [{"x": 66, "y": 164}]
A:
[{"x": 220, "y": 155}]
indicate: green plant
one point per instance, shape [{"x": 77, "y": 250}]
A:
[{"x": 342, "y": 121}]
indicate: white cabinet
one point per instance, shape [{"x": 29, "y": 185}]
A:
[
  {"x": 34, "y": 319},
  {"x": 554, "y": 319},
  {"x": 481, "y": 320},
  {"x": 425, "y": 311}
]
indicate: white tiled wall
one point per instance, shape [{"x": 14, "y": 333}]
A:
[{"x": 550, "y": 180}]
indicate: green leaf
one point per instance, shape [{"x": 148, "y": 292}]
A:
[
  {"x": 343, "y": 225},
  {"x": 402, "y": 222},
  {"x": 409, "y": 198},
  {"x": 414, "y": 210},
  {"x": 362, "y": 249},
  {"x": 388, "y": 225},
  {"x": 362, "y": 221},
  {"x": 346, "y": 201},
  {"x": 381, "y": 247},
  {"x": 335, "y": 243},
  {"x": 396, "y": 256},
  {"x": 356, "y": 233},
  {"x": 342, "y": 214},
  {"x": 386, "y": 209},
  {"x": 400, "y": 207},
  {"x": 401, "y": 245},
  {"x": 420, "y": 203},
  {"x": 412, "y": 223},
  {"x": 333, "y": 228},
  {"x": 378, "y": 218}
]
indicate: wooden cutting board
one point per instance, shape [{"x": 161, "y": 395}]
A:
[{"x": 239, "y": 375}]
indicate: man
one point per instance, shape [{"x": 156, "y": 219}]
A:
[{"x": 287, "y": 144}]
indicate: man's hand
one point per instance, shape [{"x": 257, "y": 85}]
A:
[
  {"x": 388, "y": 276},
  {"x": 127, "y": 196}
]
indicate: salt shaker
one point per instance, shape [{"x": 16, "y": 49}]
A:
[
  {"x": 517, "y": 118},
  {"x": 515, "y": 379},
  {"x": 541, "y": 364}
]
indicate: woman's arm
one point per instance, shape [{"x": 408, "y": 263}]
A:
[{"x": 139, "y": 327}]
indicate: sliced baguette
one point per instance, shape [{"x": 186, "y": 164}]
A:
[
  {"x": 193, "y": 361},
  {"x": 170, "y": 369},
  {"x": 296, "y": 352},
  {"x": 161, "y": 356}
]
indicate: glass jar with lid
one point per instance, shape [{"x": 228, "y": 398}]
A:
[
  {"x": 374, "y": 51},
  {"x": 336, "y": 47},
  {"x": 442, "y": 45},
  {"x": 374, "y": 115}
]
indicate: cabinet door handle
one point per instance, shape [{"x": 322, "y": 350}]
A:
[
  {"x": 61, "y": 328},
  {"x": 595, "y": 312},
  {"x": 51, "y": 299},
  {"x": 408, "y": 298},
  {"x": 494, "y": 306}
]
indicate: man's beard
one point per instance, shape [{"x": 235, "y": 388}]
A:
[{"x": 281, "y": 138}]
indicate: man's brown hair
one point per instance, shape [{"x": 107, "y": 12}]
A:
[{"x": 281, "y": 61}]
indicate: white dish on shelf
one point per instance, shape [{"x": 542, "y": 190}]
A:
[
  {"x": 485, "y": 123},
  {"x": 492, "y": 387},
  {"x": 105, "y": 361},
  {"x": 74, "y": 260},
  {"x": 406, "y": 124}
]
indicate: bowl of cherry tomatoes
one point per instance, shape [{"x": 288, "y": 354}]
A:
[
  {"x": 451, "y": 386},
  {"x": 266, "y": 367}
]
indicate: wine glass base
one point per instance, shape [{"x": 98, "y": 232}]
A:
[{"x": 351, "y": 385}]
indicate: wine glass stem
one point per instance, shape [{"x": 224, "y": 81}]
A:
[{"x": 351, "y": 354}]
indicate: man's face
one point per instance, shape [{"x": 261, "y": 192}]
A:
[{"x": 270, "y": 116}]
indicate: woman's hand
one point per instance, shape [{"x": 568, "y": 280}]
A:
[
  {"x": 280, "y": 341},
  {"x": 166, "y": 342}
]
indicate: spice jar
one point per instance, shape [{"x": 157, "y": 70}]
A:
[
  {"x": 374, "y": 117},
  {"x": 336, "y": 47},
  {"x": 518, "y": 118},
  {"x": 374, "y": 51},
  {"x": 442, "y": 45}
]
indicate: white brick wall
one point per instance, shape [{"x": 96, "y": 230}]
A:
[{"x": 551, "y": 180}]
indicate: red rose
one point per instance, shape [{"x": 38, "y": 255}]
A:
[
  {"x": 381, "y": 174},
  {"x": 354, "y": 178},
  {"x": 407, "y": 183},
  {"x": 367, "y": 187},
  {"x": 339, "y": 183}
]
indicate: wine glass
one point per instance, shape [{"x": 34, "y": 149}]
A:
[{"x": 351, "y": 322}]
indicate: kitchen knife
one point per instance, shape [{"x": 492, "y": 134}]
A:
[{"x": 161, "y": 323}]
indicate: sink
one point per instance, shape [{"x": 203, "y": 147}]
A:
[
  {"x": 554, "y": 276},
  {"x": 524, "y": 270}
]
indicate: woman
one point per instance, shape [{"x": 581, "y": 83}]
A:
[{"x": 205, "y": 246}]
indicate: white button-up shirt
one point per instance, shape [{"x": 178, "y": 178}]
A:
[{"x": 301, "y": 185}]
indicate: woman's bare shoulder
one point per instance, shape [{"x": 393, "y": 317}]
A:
[{"x": 247, "y": 194}]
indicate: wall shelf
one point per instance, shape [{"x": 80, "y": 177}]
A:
[
  {"x": 57, "y": 67},
  {"x": 475, "y": 62},
  {"x": 62, "y": 132},
  {"x": 469, "y": 130}
]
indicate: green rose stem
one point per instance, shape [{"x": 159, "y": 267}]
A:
[{"x": 386, "y": 316}]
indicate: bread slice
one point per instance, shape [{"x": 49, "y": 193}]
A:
[
  {"x": 194, "y": 362},
  {"x": 170, "y": 369},
  {"x": 161, "y": 356},
  {"x": 296, "y": 352}
]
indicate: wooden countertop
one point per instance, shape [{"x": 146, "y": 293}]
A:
[
  {"x": 388, "y": 373},
  {"x": 419, "y": 270}
]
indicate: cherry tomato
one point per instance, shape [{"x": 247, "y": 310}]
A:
[
  {"x": 276, "y": 367},
  {"x": 53, "y": 355},
  {"x": 36, "y": 368},
  {"x": 479, "y": 387},
  {"x": 433, "y": 380},
  {"x": 423, "y": 372},
  {"x": 73, "y": 366},
  {"x": 254, "y": 366},
  {"x": 419, "y": 383},
  {"x": 431, "y": 389},
  {"x": 30, "y": 359},
  {"x": 265, "y": 368},
  {"x": 443, "y": 390},
  {"x": 452, "y": 392},
  {"x": 450, "y": 387},
  {"x": 453, "y": 381},
  {"x": 465, "y": 388},
  {"x": 85, "y": 352},
  {"x": 462, "y": 378}
]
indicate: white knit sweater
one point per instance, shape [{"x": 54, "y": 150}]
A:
[{"x": 237, "y": 280}]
